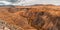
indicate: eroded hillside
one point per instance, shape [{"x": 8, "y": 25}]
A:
[{"x": 44, "y": 17}]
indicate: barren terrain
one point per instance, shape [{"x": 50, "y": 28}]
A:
[{"x": 38, "y": 17}]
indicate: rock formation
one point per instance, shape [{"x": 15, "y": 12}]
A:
[{"x": 45, "y": 17}]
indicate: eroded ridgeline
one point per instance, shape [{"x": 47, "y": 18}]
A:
[
  {"x": 43, "y": 18},
  {"x": 40, "y": 18}
]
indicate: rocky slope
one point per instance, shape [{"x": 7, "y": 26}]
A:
[{"x": 38, "y": 17}]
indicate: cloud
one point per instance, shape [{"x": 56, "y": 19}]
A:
[
  {"x": 33, "y": 2},
  {"x": 29, "y": 2},
  {"x": 5, "y": 3}
]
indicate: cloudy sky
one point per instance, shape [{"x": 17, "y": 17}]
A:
[{"x": 28, "y": 2}]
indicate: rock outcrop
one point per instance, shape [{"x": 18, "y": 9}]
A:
[{"x": 45, "y": 17}]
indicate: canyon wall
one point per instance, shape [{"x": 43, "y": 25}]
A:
[{"x": 41, "y": 17}]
